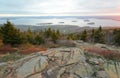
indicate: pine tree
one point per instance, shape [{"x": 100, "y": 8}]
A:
[
  {"x": 71, "y": 37},
  {"x": 54, "y": 36},
  {"x": 92, "y": 35},
  {"x": 117, "y": 37},
  {"x": 48, "y": 32},
  {"x": 100, "y": 29},
  {"x": 84, "y": 35},
  {"x": 39, "y": 40},
  {"x": 99, "y": 36},
  {"x": 29, "y": 36},
  {"x": 58, "y": 32},
  {"x": 10, "y": 34}
]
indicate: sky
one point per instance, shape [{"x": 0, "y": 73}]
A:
[{"x": 59, "y": 7}]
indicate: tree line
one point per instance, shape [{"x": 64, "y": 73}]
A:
[
  {"x": 98, "y": 36},
  {"x": 11, "y": 35}
]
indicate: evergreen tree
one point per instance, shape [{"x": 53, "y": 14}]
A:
[
  {"x": 48, "y": 33},
  {"x": 54, "y": 36},
  {"x": 100, "y": 29},
  {"x": 58, "y": 32},
  {"x": 117, "y": 37},
  {"x": 10, "y": 34},
  {"x": 92, "y": 35},
  {"x": 29, "y": 36},
  {"x": 71, "y": 37},
  {"x": 78, "y": 36},
  {"x": 39, "y": 40},
  {"x": 84, "y": 35},
  {"x": 99, "y": 36},
  {"x": 115, "y": 31}
]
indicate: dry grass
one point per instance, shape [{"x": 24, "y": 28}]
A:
[
  {"x": 31, "y": 49},
  {"x": 23, "y": 49},
  {"x": 109, "y": 54},
  {"x": 7, "y": 49}
]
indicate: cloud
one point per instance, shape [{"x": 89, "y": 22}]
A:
[{"x": 59, "y": 6}]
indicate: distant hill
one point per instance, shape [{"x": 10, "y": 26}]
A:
[{"x": 61, "y": 28}]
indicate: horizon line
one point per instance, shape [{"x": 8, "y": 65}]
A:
[{"x": 56, "y": 14}]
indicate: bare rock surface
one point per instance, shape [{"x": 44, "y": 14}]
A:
[
  {"x": 61, "y": 62},
  {"x": 73, "y": 62}
]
